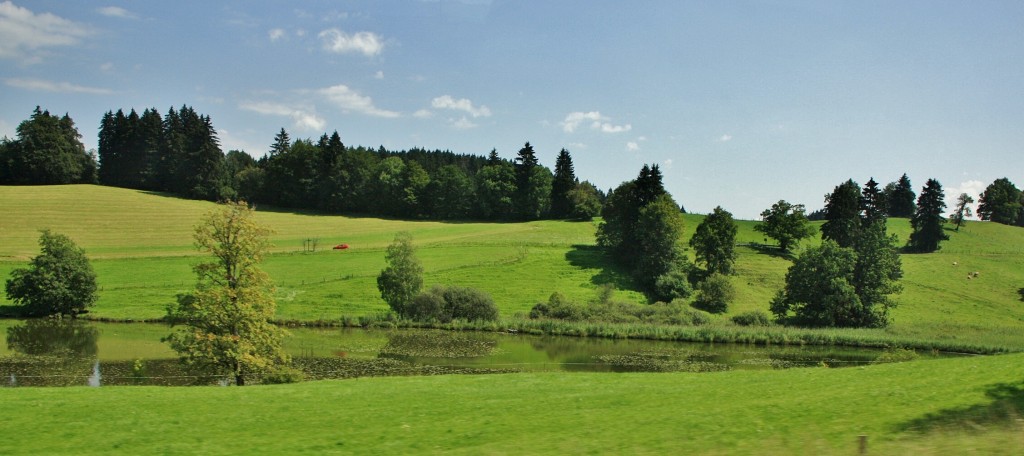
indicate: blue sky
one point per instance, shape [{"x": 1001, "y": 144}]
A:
[{"x": 740, "y": 103}]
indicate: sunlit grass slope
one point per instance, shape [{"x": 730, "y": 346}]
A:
[
  {"x": 142, "y": 251},
  {"x": 952, "y": 406},
  {"x": 141, "y": 246}
]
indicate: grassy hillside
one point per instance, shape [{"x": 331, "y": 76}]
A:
[
  {"x": 141, "y": 246},
  {"x": 951, "y": 406}
]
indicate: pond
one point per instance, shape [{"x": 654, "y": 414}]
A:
[{"x": 65, "y": 353}]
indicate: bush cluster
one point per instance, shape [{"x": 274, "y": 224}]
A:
[
  {"x": 752, "y": 318},
  {"x": 611, "y": 311},
  {"x": 447, "y": 303}
]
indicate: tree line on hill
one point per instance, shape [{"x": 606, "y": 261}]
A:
[{"x": 179, "y": 153}]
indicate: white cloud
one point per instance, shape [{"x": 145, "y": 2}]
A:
[
  {"x": 378, "y": 75},
  {"x": 463, "y": 124},
  {"x": 25, "y": 35},
  {"x": 423, "y": 114},
  {"x": 974, "y": 188},
  {"x": 7, "y": 130},
  {"x": 462, "y": 104},
  {"x": 107, "y": 67},
  {"x": 597, "y": 122},
  {"x": 229, "y": 141},
  {"x": 725, "y": 138},
  {"x": 116, "y": 11},
  {"x": 667, "y": 164},
  {"x": 609, "y": 128},
  {"x": 277, "y": 34},
  {"x": 632, "y": 146},
  {"x": 303, "y": 118},
  {"x": 349, "y": 100},
  {"x": 574, "y": 119},
  {"x": 40, "y": 85},
  {"x": 337, "y": 41},
  {"x": 577, "y": 145}
]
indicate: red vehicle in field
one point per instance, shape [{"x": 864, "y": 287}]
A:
[{"x": 341, "y": 247}]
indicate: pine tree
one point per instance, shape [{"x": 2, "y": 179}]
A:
[
  {"x": 842, "y": 214},
  {"x": 962, "y": 210},
  {"x": 565, "y": 180},
  {"x": 873, "y": 204},
  {"x": 927, "y": 220}
]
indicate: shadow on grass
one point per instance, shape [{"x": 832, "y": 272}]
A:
[
  {"x": 1021, "y": 293},
  {"x": 13, "y": 312},
  {"x": 1006, "y": 401},
  {"x": 609, "y": 273},
  {"x": 771, "y": 250}
]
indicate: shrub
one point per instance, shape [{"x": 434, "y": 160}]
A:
[
  {"x": 672, "y": 285},
  {"x": 282, "y": 375},
  {"x": 752, "y": 318},
  {"x": 445, "y": 304},
  {"x": 558, "y": 307},
  {"x": 895, "y": 355},
  {"x": 715, "y": 293}
]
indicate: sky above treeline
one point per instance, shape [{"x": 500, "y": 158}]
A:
[{"x": 740, "y": 103}]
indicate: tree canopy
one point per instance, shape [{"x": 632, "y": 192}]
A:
[
  {"x": 842, "y": 214},
  {"x": 227, "y": 317},
  {"x": 714, "y": 241},
  {"x": 402, "y": 279},
  {"x": 1002, "y": 202},
  {"x": 58, "y": 281},
  {"x": 786, "y": 223},
  {"x": 48, "y": 150}
]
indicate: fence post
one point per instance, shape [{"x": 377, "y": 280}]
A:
[{"x": 862, "y": 444}]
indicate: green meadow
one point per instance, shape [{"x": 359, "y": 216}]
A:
[{"x": 140, "y": 246}]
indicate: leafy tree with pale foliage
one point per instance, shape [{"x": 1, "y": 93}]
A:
[
  {"x": 962, "y": 211},
  {"x": 786, "y": 223},
  {"x": 714, "y": 242},
  {"x": 1002, "y": 202},
  {"x": 402, "y": 279},
  {"x": 59, "y": 280},
  {"x": 226, "y": 318}
]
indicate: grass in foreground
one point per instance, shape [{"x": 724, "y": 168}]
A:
[{"x": 951, "y": 406}]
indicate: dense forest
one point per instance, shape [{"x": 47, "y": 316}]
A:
[{"x": 179, "y": 153}]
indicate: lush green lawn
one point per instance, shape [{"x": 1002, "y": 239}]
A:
[{"x": 952, "y": 406}]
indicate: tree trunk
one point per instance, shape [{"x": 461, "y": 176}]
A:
[{"x": 239, "y": 380}]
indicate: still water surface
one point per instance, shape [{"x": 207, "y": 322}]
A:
[{"x": 66, "y": 353}]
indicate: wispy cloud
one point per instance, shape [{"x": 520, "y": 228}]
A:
[
  {"x": 25, "y": 35},
  {"x": 463, "y": 124},
  {"x": 461, "y": 104},
  {"x": 304, "y": 118},
  {"x": 597, "y": 122},
  {"x": 423, "y": 114},
  {"x": 40, "y": 85},
  {"x": 339, "y": 42},
  {"x": 349, "y": 100},
  {"x": 632, "y": 146},
  {"x": 725, "y": 138},
  {"x": 277, "y": 34},
  {"x": 116, "y": 11},
  {"x": 379, "y": 74}
]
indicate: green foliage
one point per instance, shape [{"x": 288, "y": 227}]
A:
[
  {"x": 226, "y": 318},
  {"x": 899, "y": 197},
  {"x": 658, "y": 231},
  {"x": 48, "y": 150},
  {"x": 58, "y": 281},
  {"x": 715, "y": 293},
  {"x": 447, "y": 303},
  {"x": 752, "y": 318},
  {"x": 564, "y": 181},
  {"x": 842, "y": 214},
  {"x": 402, "y": 279},
  {"x": 714, "y": 242},
  {"x": 786, "y": 223},
  {"x": 584, "y": 201},
  {"x": 836, "y": 286},
  {"x": 674, "y": 284},
  {"x": 532, "y": 197},
  {"x": 1002, "y": 202},
  {"x": 928, "y": 220},
  {"x": 896, "y": 355},
  {"x": 560, "y": 308}
]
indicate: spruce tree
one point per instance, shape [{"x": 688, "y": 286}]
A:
[
  {"x": 873, "y": 204},
  {"x": 927, "y": 220},
  {"x": 901, "y": 198},
  {"x": 563, "y": 183}
]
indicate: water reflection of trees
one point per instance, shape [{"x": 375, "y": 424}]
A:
[{"x": 53, "y": 336}]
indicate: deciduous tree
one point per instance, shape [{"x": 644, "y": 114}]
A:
[
  {"x": 786, "y": 223},
  {"x": 962, "y": 210},
  {"x": 842, "y": 214},
  {"x": 402, "y": 279},
  {"x": 1001, "y": 203},
  {"x": 58, "y": 281},
  {"x": 226, "y": 318},
  {"x": 714, "y": 241}
]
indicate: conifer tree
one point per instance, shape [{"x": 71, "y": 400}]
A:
[
  {"x": 564, "y": 181},
  {"x": 842, "y": 214},
  {"x": 927, "y": 220}
]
